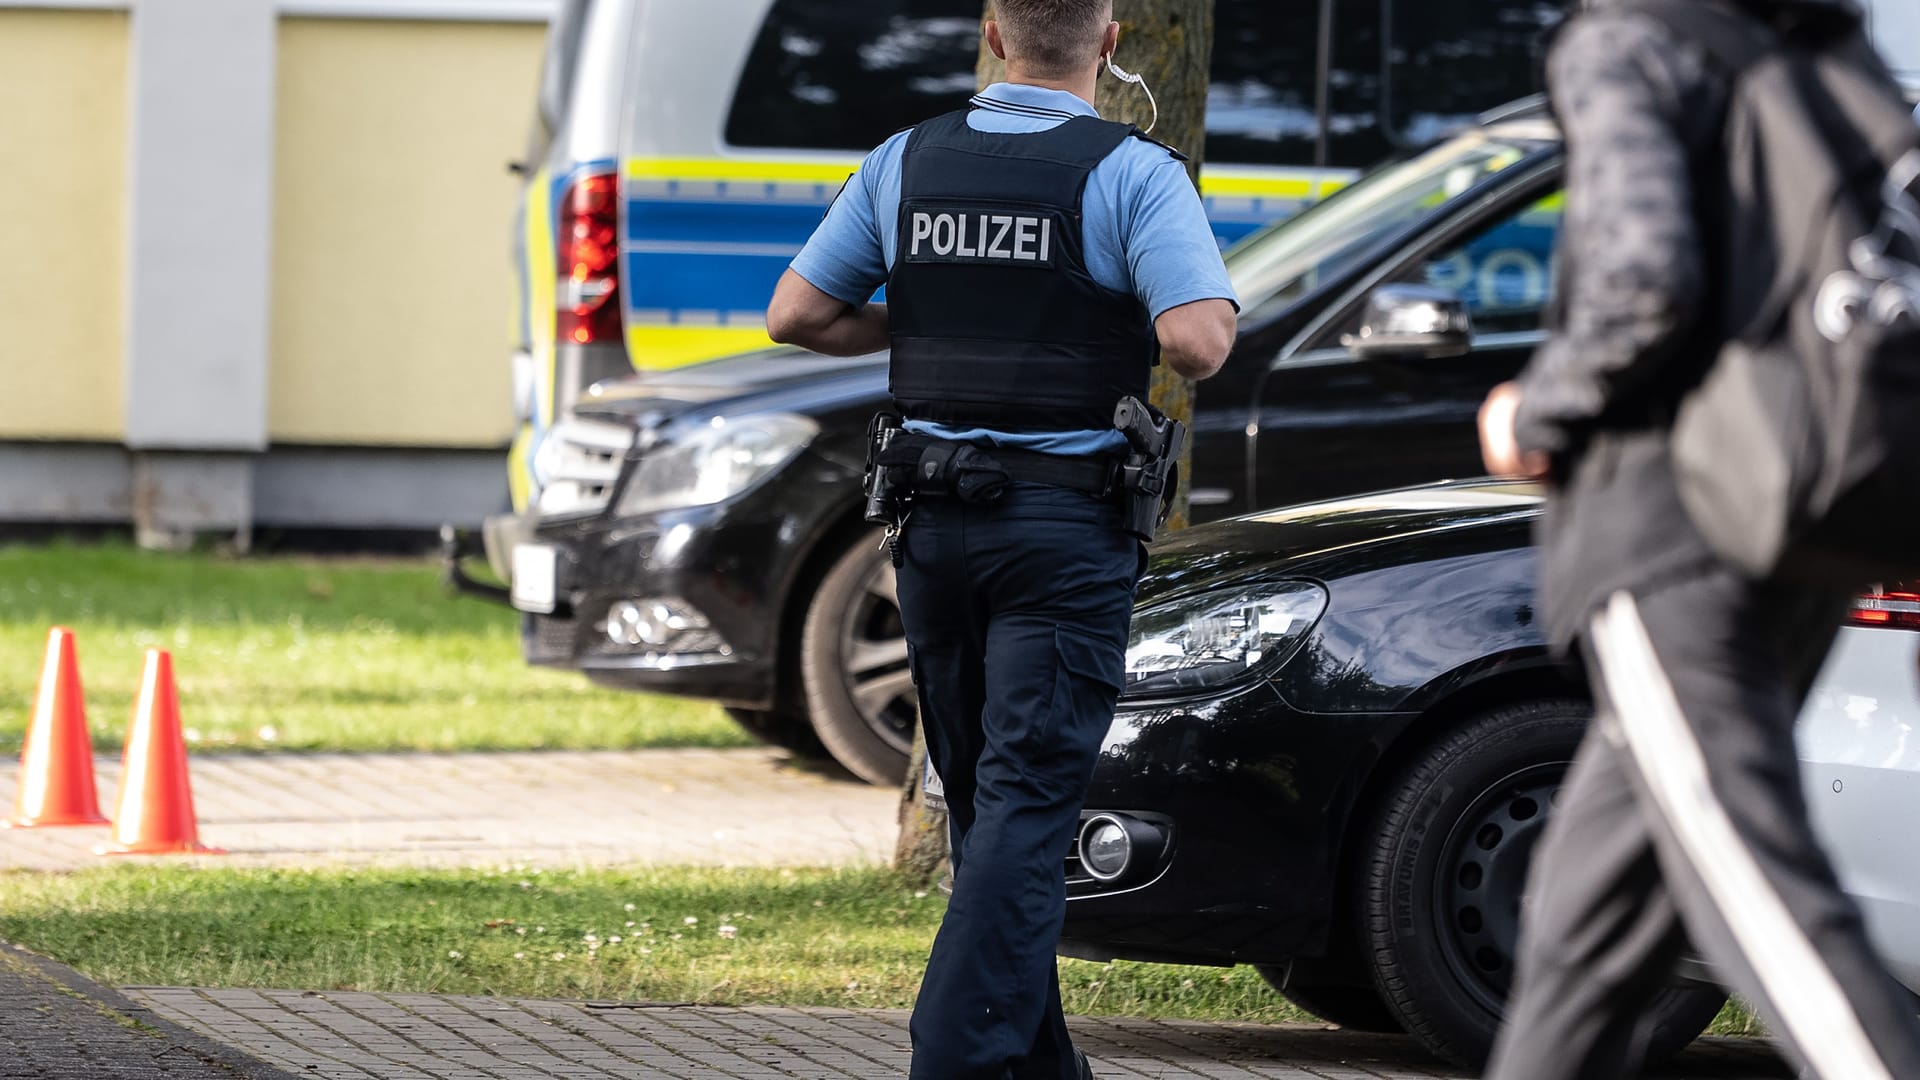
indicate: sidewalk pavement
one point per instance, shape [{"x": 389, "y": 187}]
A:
[
  {"x": 350, "y": 1036},
  {"x": 684, "y": 807},
  {"x": 57, "y": 1025}
]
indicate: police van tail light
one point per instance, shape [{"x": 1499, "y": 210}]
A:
[
  {"x": 1896, "y": 606},
  {"x": 589, "y": 261}
]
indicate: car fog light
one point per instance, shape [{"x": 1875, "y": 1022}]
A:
[
  {"x": 1114, "y": 846},
  {"x": 1105, "y": 849},
  {"x": 660, "y": 625}
]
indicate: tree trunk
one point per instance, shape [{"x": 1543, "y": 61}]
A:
[
  {"x": 921, "y": 850},
  {"x": 1169, "y": 43}
]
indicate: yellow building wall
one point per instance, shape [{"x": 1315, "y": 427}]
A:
[
  {"x": 392, "y": 222},
  {"x": 63, "y": 169}
]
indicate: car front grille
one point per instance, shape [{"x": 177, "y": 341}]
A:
[
  {"x": 551, "y": 639},
  {"x": 578, "y": 465}
]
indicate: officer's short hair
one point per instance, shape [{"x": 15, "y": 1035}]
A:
[{"x": 1053, "y": 37}]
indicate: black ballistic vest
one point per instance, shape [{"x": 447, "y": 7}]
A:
[{"x": 996, "y": 320}]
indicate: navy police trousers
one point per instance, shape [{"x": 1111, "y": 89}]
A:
[{"x": 1016, "y": 616}]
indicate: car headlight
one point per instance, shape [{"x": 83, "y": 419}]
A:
[
  {"x": 1208, "y": 641},
  {"x": 714, "y": 462}
]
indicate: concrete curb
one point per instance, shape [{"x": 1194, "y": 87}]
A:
[{"x": 113, "y": 1001}]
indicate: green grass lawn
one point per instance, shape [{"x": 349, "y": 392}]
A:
[
  {"x": 309, "y": 654},
  {"x": 853, "y": 938},
  {"x": 280, "y": 653}
]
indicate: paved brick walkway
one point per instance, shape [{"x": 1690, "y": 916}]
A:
[
  {"x": 351, "y": 1036},
  {"x": 55, "y": 1025},
  {"x": 685, "y": 807}
]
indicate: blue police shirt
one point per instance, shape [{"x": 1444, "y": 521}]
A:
[{"x": 1146, "y": 234}]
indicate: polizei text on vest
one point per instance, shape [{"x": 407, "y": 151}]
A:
[{"x": 937, "y": 235}]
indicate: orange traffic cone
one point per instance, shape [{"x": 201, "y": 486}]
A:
[
  {"x": 155, "y": 815},
  {"x": 56, "y": 769}
]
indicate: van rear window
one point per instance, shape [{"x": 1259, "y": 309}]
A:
[{"x": 833, "y": 75}]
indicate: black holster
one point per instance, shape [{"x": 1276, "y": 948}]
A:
[
  {"x": 888, "y": 490},
  {"x": 1150, "y": 474}
]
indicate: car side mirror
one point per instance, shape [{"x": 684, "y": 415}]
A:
[{"x": 1417, "y": 321}]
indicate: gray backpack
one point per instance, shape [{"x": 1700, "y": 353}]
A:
[{"x": 1798, "y": 453}]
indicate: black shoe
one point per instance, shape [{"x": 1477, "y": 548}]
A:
[{"x": 1086, "y": 1071}]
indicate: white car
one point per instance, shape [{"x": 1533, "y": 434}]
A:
[{"x": 1860, "y": 765}]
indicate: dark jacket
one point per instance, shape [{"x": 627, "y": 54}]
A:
[{"x": 1637, "y": 320}]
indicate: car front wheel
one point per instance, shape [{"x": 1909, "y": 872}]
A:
[
  {"x": 853, "y": 664},
  {"x": 1442, "y": 876}
]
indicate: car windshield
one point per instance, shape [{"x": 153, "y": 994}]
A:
[{"x": 1281, "y": 263}]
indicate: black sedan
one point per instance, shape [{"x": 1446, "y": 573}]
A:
[
  {"x": 699, "y": 531},
  {"x": 1342, "y": 735}
]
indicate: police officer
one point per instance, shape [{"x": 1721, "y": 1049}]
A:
[{"x": 1036, "y": 260}]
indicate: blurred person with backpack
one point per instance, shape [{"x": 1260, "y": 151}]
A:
[{"x": 1725, "y": 415}]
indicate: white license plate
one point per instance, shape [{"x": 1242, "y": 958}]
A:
[{"x": 533, "y": 578}]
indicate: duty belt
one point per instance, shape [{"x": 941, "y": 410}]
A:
[
  {"x": 903, "y": 465},
  {"x": 927, "y": 465}
]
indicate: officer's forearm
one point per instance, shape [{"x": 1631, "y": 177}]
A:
[
  {"x": 803, "y": 315},
  {"x": 1196, "y": 338},
  {"x": 852, "y": 331}
]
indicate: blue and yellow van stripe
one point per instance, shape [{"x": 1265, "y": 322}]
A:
[
  {"x": 1240, "y": 201},
  {"x": 705, "y": 241},
  {"x": 707, "y": 238}
]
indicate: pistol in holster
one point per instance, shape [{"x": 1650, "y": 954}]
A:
[
  {"x": 1150, "y": 473},
  {"x": 888, "y": 490}
]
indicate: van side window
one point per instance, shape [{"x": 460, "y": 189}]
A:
[
  {"x": 1260, "y": 102},
  {"x": 1453, "y": 59},
  {"x": 1406, "y": 72},
  {"x": 834, "y": 75}
]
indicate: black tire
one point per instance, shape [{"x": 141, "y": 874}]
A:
[
  {"x": 1442, "y": 873},
  {"x": 853, "y": 666},
  {"x": 1356, "y": 1008},
  {"x": 784, "y": 730}
]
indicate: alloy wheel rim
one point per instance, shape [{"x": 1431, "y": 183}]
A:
[
  {"x": 1482, "y": 877},
  {"x": 873, "y": 660}
]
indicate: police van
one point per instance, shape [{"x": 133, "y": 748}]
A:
[{"x": 682, "y": 152}]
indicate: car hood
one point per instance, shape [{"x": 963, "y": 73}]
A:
[
  {"x": 1308, "y": 539},
  {"x": 770, "y": 380}
]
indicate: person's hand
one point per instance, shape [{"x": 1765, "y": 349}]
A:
[{"x": 1499, "y": 449}]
